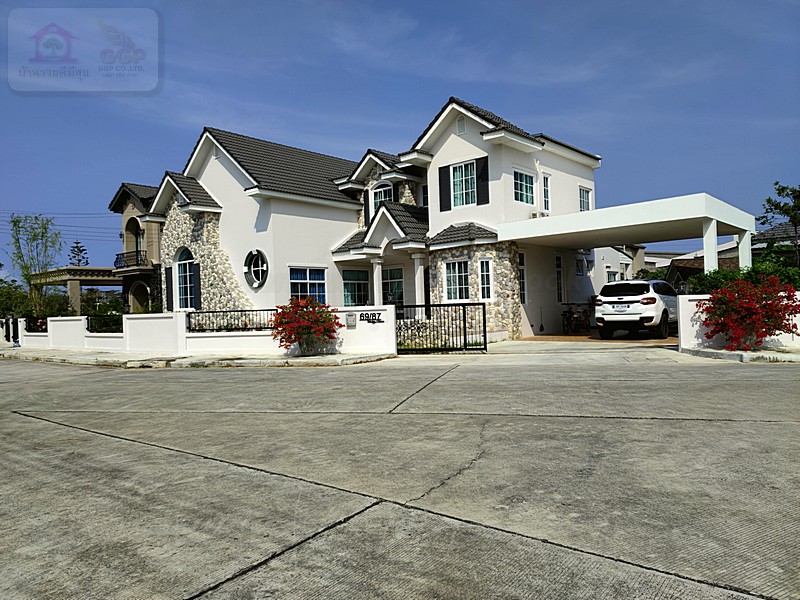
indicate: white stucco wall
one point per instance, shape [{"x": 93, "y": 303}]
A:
[
  {"x": 691, "y": 332},
  {"x": 290, "y": 233},
  {"x": 566, "y": 177},
  {"x": 166, "y": 334}
]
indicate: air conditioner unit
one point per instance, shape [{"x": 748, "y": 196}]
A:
[{"x": 539, "y": 214}]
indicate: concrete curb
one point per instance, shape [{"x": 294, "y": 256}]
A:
[
  {"x": 101, "y": 359},
  {"x": 743, "y": 357}
]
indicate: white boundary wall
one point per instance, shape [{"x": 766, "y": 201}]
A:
[
  {"x": 371, "y": 331},
  {"x": 691, "y": 333}
]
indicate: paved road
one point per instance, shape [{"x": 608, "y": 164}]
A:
[{"x": 629, "y": 474}]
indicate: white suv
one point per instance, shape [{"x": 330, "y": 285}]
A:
[{"x": 633, "y": 305}]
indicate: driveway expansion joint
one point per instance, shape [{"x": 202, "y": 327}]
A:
[
  {"x": 279, "y": 553},
  {"x": 434, "y": 380}
]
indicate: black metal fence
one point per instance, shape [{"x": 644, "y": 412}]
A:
[
  {"x": 36, "y": 324},
  {"x": 104, "y": 324},
  {"x": 10, "y": 326},
  {"x": 425, "y": 328},
  {"x": 230, "y": 320}
]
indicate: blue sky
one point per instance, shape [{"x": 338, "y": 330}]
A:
[{"x": 678, "y": 96}]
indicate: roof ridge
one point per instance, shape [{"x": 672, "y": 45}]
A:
[{"x": 250, "y": 137}]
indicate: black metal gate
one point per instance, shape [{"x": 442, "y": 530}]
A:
[{"x": 425, "y": 328}]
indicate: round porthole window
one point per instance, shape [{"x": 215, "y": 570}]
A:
[{"x": 255, "y": 268}]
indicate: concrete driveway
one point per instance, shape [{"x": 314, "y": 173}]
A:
[{"x": 612, "y": 473}]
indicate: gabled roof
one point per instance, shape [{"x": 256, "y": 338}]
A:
[
  {"x": 144, "y": 193},
  {"x": 412, "y": 220},
  {"x": 497, "y": 124},
  {"x": 278, "y": 168},
  {"x": 388, "y": 160},
  {"x": 391, "y": 160},
  {"x": 194, "y": 193},
  {"x": 354, "y": 241},
  {"x": 466, "y": 232}
]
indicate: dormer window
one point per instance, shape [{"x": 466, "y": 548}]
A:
[
  {"x": 382, "y": 193},
  {"x": 461, "y": 125}
]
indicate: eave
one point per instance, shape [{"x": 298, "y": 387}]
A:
[
  {"x": 260, "y": 194},
  {"x": 417, "y": 158},
  {"x": 398, "y": 176},
  {"x": 512, "y": 140},
  {"x": 475, "y": 242}
]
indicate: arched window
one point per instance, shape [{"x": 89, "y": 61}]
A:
[
  {"x": 381, "y": 193},
  {"x": 186, "y": 279}
]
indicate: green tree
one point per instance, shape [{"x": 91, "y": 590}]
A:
[
  {"x": 13, "y": 299},
  {"x": 784, "y": 211},
  {"x": 35, "y": 247},
  {"x": 78, "y": 257},
  {"x": 657, "y": 273}
]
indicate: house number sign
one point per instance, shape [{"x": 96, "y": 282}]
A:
[{"x": 370, "y": 317}]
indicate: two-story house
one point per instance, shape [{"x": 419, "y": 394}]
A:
[{"x": 250, "y": 223}]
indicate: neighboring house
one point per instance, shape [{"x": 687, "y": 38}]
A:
[
  {"x": 139, "y": 262},
  {"x": 249, "y": 223}
]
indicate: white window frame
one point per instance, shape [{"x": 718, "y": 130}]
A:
[
  {"x": 379, "y": 194},
  {"x": 454, "y": 293},
  {"x": 461, "y": 125},
  {"x": 486, "y": 279},
  {"x": 584, "y": 199},
  {"x": 385, "y": 272},
  {"x": 546, "y": 191},
  {"x": 309, "y": 282},
  {"x": 525, "y": 189},
  {"x": 522, "y": 279},
  {"x": 357, "y": 282},
  {"x": 184, "y": 280},
  {"x": 561, "y": 291},
  {"x": 466, "y": 196}
]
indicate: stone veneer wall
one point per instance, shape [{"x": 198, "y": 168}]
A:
[
  {"x": 503, "y": 315},
  {"x": 406, "y": 191},
  {"x": 199, "y": 232}
]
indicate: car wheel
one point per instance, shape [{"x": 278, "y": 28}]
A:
[
  {"x": 606, "y": 332},
  {"x": 663, "y": 326}
]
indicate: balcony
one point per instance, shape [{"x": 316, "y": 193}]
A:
[{"x": 126, "y": 260}]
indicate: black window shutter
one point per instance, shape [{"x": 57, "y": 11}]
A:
[
  {"x": 396, "y": 192},
  {"x": 482, "y": 179},
  {"x": 168, "y": 285},
  {"x": 366, "y": 208},
  {"x": 197, "y": 287},
  {"x": 444, "y": 189}
]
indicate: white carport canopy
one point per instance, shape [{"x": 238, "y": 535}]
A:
[{"x": 678, "y": 218}]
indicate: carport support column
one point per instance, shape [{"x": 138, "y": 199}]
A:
[
  {"x": 710, "y": 261},
  {"x": 745, "y": 249},
  {"x": 419, "y": 277},
  {"x": 377, "y": 281},
  {"x": 74, "y": 294}
]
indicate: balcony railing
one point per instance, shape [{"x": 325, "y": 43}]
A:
[{"x": 137, "y": 258}]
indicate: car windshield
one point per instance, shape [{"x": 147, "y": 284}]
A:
[{"x": 625, "y": 289}]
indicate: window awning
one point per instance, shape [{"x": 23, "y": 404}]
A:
[{"x": 677, "y": 218}]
